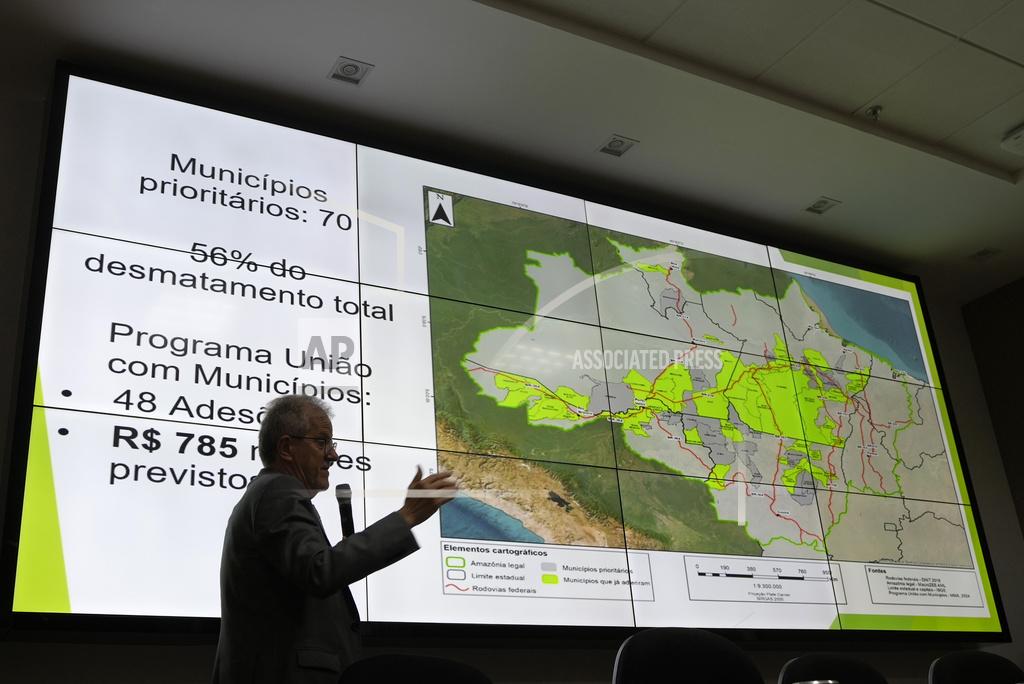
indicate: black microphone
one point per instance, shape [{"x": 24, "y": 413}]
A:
[{"x": 344, "y": 494}]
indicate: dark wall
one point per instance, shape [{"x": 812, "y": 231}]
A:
[
  {"x": 995, "y": 328},
  {"x": 21, "y": 136}
]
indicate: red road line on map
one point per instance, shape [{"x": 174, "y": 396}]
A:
[
  {"x": 874, "y": 430},
  {"x": 764, "y": 395},
  {"x": 679, "y": 297},
  {"x": 863, "y": 463},
  {"x": 680, "y": 445},
  {"x": 735, "y": 480},
  {"x": 828, "y": 459}
]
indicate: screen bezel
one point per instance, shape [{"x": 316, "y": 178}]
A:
[{"x": 184, "y": 629}]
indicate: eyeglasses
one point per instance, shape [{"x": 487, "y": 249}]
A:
[{"x": 327, "y": 445}]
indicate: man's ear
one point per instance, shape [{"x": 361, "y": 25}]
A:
[{"x": 284, "y": 448}]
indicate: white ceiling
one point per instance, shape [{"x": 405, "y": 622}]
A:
[{"x": 746, "y": 110}]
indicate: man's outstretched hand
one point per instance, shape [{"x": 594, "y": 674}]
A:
[{"x": 420, "y": 504}]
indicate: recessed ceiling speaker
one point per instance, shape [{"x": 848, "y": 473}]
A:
[
  {"x": 617, "y": 145},
  {"x": 350, "y": 70},
  {"x": 822, "y": 204}
]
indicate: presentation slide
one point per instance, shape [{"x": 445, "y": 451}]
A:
[{"x": 650, "y": 424}]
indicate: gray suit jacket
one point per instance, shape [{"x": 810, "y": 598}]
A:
[{"x": 286, "y": 612}]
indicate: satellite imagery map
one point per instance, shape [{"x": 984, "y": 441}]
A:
[{"x": 598, "y": 388}]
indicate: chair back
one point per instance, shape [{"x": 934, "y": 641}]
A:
[
  {"x": 683, "y": 656},
  {"x": 968, "y": 667},
  {"x": 829, "y": 666}
]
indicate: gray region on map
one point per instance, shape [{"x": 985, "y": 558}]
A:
[
  {"x": 802, "y": 493},
  {"x": 724, "y": 451},
  {"x": 703, "y": 378},
  {"x": 610, "y": 396}
]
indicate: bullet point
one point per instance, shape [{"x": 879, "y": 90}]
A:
[
  {"x": 62, "y": 431},
  {"x": 66, "y": 393}
]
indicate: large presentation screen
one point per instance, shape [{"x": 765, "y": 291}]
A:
[{"x": 651, "y": 424}]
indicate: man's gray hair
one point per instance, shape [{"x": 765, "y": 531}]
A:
[{"x": 287, "y": 415}]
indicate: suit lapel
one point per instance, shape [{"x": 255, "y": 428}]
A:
[
  {"x": 319, "y": 522},
  {"x": 346, "y": 593}
]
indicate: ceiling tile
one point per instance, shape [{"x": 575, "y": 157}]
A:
[
  {"x": 981, "y": 139},
  {"x": 1003, "y": 32},
  {"x": 635, "y": 20},
  {"x": 955, "y": 16},
  {"x": 854, "y": 56},
  {"x": 949, "y": 92},
  {"x": 743, "y": 37}
]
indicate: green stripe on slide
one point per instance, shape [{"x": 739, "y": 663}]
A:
[{"x": 41, "y": 583}]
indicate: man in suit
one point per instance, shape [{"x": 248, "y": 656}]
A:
[{"x": 287, "y": 614}]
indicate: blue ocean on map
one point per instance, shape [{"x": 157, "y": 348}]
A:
[
  {"x": 467, "y": 518},
  {"x": 877, "y": 322}
]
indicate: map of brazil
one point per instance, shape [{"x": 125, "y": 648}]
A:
[{"x": 598, "y": 388}]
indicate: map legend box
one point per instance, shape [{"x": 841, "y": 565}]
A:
[{"x": 547, "y": 572}]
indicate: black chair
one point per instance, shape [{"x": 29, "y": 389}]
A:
[
  {"x": 969, "y": 667},
  {"x": 676, "y": 654},
  {"x": 825, "y": 666},
  {"x": 397, "y": 668}
]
